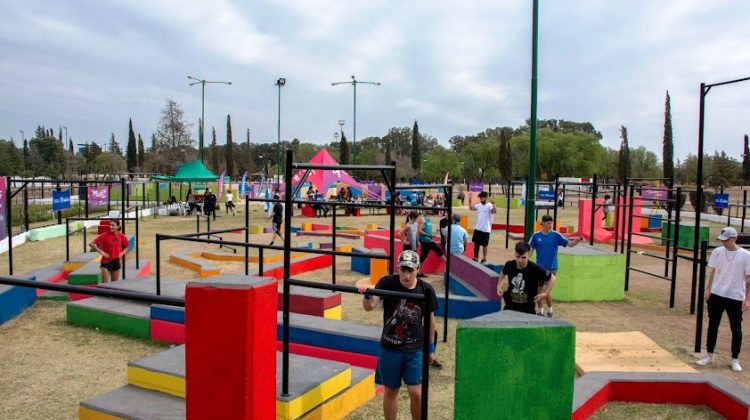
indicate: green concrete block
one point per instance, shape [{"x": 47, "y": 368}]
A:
[
  {"x": 457, "y": 203},
  {"x": 90, "y": 273},
  {"x": 502, "y": 203},
  {"x": 130, "y": 326},
  {"x": 514, "y": 365},
  {"x": 687, "y": 234},
  {"x": 55, "y": 231},
  {"x": 586, "y": 273}
]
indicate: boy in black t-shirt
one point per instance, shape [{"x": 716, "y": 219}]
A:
[
  {"x": 526, "y": 279},
  {"x": 400, "y": 356}
]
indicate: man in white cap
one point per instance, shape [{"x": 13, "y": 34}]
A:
[
  {"x": 400, "y": 356},
  {"x": 727, "y": 291}
]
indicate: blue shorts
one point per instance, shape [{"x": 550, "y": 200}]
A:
[{"x": 393, "y": 366}]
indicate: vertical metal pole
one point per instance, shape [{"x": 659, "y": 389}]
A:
[
  {"x": 197, "y": 221},
  {"x": 354, "y": 126},
  {"x": 392, "y": 244},
  {"x": 670, "y": 196},
  {"x": 426, "y": 316},
  {"x": 67, "y": 240},
  {"x": 278, "y": 139},
  {"x": 9, "y": 224},
  {"x": 158, "y": 264},
  {"x": 447, "y": 275},
  {"x": 25, "y": 208},
  {"x": 675, "y": 251},
  {"x": 86, "y": 197},
  {"x": 333, "y": 244},
  {"x": 122, "y": 200},
  {"x": 287, "y": 271},
  {"x": 744, "y": 207},
  {"x": 624, "y": 215},
  {"x": 247, "y": 235},
  {"x": 701, "y": 297},
  {"x": 698, "y": 194},
  {"x": 137, "y": 246},
  {"x": 531, "y": 182},
  {"x": 59, "y": 213},
  {"x": 630, "y": 234},
  {"x": 618, "y": 212},
  {"x": 594, "y": 220},
  {"x": 554, "y": 212},
  {"x": 201, "y": 146},
  {"x": 507, "y": 213}
]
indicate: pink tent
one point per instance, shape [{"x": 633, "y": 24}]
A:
[{"x": 324, "y": 179}]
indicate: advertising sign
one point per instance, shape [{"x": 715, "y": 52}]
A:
[
  {"x": 721, "y": 201},
  {"x": 476, "y": 186},
  {"x": 3, "y": 211},
  {"x": 61, "y": 200},
  {"x": 98, "y": 196}
]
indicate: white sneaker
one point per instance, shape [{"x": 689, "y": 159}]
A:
[
  {"x": 735, "y": 364},
  {"x": 705, "y": 360}
]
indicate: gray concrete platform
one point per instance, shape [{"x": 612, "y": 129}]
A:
[{"x": 131, "y": 402}]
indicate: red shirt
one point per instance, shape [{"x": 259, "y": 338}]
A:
[{"x": 112, "y": 244}]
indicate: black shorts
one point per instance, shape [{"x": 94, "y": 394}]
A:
[
  {"x": 277, "y": 226},
  {"x": 480, "y": 238},
  {"x": 428, "y": 246},
  {"x": 229, "y": 205},
  {"x": 112, "y": 265}
]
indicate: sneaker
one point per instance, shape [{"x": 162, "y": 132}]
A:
[
  {"x": 549, "y": 314},
  {"x": 271, "y": 243},
  {"x": 540, "y": 313},
  {"x": 475, "y": 259},
  {"x": 483, "y": 262},
  {"x": 705, "y": 360},
  {"x": 735, "y": 364},
  {"x": 437, "y": 365}
]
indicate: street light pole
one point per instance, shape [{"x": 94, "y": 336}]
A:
[
  {"x": 203, "y": 83},
  {"x": 531, "y": 184},
  {"x": 354, "y": 83},
  {"x": 280, "y": 82}
]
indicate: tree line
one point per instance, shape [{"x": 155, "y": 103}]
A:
[{"x": 565, "y": 148}]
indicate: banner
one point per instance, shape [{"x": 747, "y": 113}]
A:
[
  {"x": 545, "y": 195},
  {"x": 476, "y": 186},
  {"x": 374, "y": 192},
  {"x": 3, "y": 215},
  {"x": 243, "y": 187},
  {"x": 98, "y": 196},
  {"x": 220, "y": 193},
  {"x": 61, "y": 200},
  {"x": 721, "y": 201},
  {"x": 654, "y": 193}
]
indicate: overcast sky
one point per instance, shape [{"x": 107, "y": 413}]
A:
[{"x": 456, "y": 67}]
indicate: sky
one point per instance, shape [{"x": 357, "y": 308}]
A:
[{"x": 457, "y": 68}]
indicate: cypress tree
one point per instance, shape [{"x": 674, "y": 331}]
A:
[
  {"x": 623, "y": 164},
  {"x": 668, "y": 144},
  {"x": 214, "y": 151},
  {"x": 229, "y": 151},
  {"x": 504, "y": 160},
  {"x": 141, "y": 154},
  {"x": 343, "y": 150},
  {"x": 131, "y": 153},
  {"x": 416, "y": 151},
  {"x": 70, "y": 146}
]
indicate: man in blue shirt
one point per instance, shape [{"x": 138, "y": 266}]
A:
[
  {"x": 459, "y": 236},
  {"x": 545, "y": 243}
]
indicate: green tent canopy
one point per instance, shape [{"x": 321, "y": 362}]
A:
[{"x": 193, "y": 171}]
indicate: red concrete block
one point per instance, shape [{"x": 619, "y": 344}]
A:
[
  {"x": 230, "y": 356},
  {"x": 354, "y": 359},
  {"x": 168, "y": 332}
]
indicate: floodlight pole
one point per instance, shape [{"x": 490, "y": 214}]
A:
[
  {"x": 354, "y": 83},
  {"x": 201, "y": 129},
  {"x": 531, "y": 183}
]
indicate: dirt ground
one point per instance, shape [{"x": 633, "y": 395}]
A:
[{"x": 48, "y": 367}]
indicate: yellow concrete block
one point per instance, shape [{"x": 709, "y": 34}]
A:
[
  {"x": 307, "y": 227},
  {"x": 344, "y": 248},
  {"x": 255, "y": 229},
  {"x": 89, "y": 414},
  {"x": 162, "y": 382},
  {"x": 464, "y": 221},
  {"x": 295, "y": 408},
  {"x": 346, "y": 402},
  {"x": 538, "y": 226},
  {"x": 333, "y": 313},
  {"x": 372, "y": 226}
]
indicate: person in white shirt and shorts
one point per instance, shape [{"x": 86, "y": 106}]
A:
[{"x": 481, "y": 236}]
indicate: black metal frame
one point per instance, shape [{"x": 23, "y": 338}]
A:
[
  {"x": 670, "y": 239},
  {"x": 9, "y": 194}
]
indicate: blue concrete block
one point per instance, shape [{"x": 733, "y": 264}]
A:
[
  {"x": 654, "y": 221},
  {"x": 168, "y": 313},
  {"x": 457, "y": 287},
  {"x": 465, "y": 307},
  {"x": 498, "y": 268},
  {"x": 361, "y": 264},
  {"x": 296, "y": 229},
  {"x": 14, "y": 300}
]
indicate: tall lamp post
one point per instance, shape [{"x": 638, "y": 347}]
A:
[
  {"x": 280, "y": 82},
  {"x": 354, "y": 83},
  {"x": 531, "y": 184},
  {"x": 203, "y": 83}
]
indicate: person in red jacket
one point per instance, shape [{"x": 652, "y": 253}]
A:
[{"x": 113, "y": 245}]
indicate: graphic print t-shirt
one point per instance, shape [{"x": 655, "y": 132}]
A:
[
  {"x": 402, "y": 318},
  {"x": 523, "y": 285}
]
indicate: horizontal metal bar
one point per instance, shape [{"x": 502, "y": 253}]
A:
[
  {"x": 73, "y": 219},
  {"x": 417, "y": 187},
  {"x": 644, "y": 253},
  {"x": 352, "y": 289},
  {"x": 337, "y": 253},
  {"x": 650, "y": 274},
  {"x": 63, "y": 181},
  {"x": 657, "y": 238},
  {"x": 213, "y": 232},
  {"x": 95, "y": 291},
  {"x": 342, "y": 167}
]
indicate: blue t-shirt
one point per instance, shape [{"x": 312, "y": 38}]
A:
[
  {"x": 546, "y": 248},
  {"x": 458, "y": 233}
]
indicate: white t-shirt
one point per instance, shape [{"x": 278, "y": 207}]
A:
[
  {"x": 230, "y": 197},
  {"x": 730, "y": 269},
  {"x": 484, "y": 217}
]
